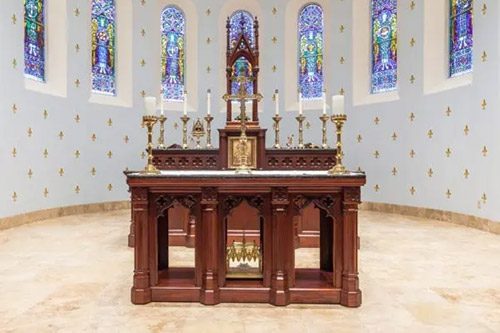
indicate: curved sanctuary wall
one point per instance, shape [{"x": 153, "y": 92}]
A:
[{"x": 69, "y": 147}]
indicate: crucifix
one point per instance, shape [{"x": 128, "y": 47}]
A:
[{"x": 242, "y": 96}]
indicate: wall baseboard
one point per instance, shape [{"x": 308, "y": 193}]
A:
[
  {"x": 435, "y": 214},
  {"x": 40, "y": 215}
]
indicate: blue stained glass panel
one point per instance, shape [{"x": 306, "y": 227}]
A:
[
  {"x": 310, "y": 26},
  {"x": 34, "y": 39},
  {"x": 242, "y": 67},
  {"x": 173, "y": 27},
  {"x": 461, "y": 37},
  {"x": 103, "y": 46},
  {"x": 384, "y": 45},
  {"x": 241, "y": 23}
]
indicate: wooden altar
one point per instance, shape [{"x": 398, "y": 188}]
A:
[{"x": 210, "y": 196}]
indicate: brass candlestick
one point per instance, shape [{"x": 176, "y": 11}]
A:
[
  {"x": 277, "y": 119},
  {"x": 301, "y": 119},
  {"x": 185, "y": 120},
  {"x": 149, "y": 122},
  {"x": 324, "y": 118},
  {"x": 338, "y": 169},
  {"x": 198, "y": 132},
  {"x": 209, "y": 119},
  {"x": 161, "y": 139}
]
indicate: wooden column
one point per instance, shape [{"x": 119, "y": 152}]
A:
[
  {"x": 131, "y": 236},
  {"x": 141, "y": 290},
  {"x": 350, "y": 294},
  {"x": 282, "y": 246},
  {"x": 209, "y": 227}
]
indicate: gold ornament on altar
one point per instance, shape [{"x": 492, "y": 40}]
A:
[{"x": 198, "y": 132}]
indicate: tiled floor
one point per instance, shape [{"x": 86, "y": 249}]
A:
[{"x": 74, "y": 274}]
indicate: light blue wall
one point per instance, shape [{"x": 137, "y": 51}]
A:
[{"x": 429, "y": 111}]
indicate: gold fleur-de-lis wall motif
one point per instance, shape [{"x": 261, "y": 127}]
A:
[
  {"x": 412, "y": 42},
  {"x": 77, "y": 11},
  {"x": 14, "y": 152},
  {"x": 209, "y": 69},
  {"x": 466, "y": 130},
  {"x": 143, "y": 155},
  {"x": 412, "y": 79},
  {"x": 126, "y": 139},
  {"x": 448, "y": 152},
  {"x": 142, "y": 62},
  {"x": 412, "y": 153},
  {"x": 430, "y": 134},
  {"x": 93, "y": 171},
  {"x": 359, "y": 138},
  {"x": 45, "y": 153},
  {"x": 30, "y": 173},
  {"x": 143, "y": 32},
  {"x": 341, "y": 91},
  {"x": 14, "y": 196},
  {"x": 45, "y": 114},
  {"x": 484, "y": 198},
  {"x": 377, "y": 188},
  {"x": 77, "y": 154},
  {"x": 110, "y": 122},
  {"x": 77, "y": 47},
  {"x": 45, "y": 192},
  {"x": 394, "y": 136},
  {"x": 209, "y": 40},
  {"x": 412, "y": 117},
  {"x": 484, "y": 10},
  {"x": 13, "y": 18},
  {"x": 14, "y": 108},
  {"x": 77, "y": 118},
  {"x": 484, "y": 104},
  {"x": 484, "y": 151},
  {"x": 274, "y": 39},
  {"x": 484, "y": 56},
  {"x": 466, "y": 173},
  {"x": 376, "y": 120},
  {"x": 77, "y": 189},
  {"x": 412, "y": 5},
  {"x": 394, "y": 171},
  {"x": 110, "y": 154},
  {"x": 275, "y": 10},
  {"x": 142, "y": 93},
  {"x": 77, "y": 83},
  {"x": 413, "y": 190},
  {"x": 61, "y": 172},
  {"x": 176, "y": 126},
  {"x": 110, "y": 187},
  {"x": 274, "y": 68},
  {"x": 341, "y": 28},
  {"x": 208, "y": 12},
  {"x": 376, "y": 154},
  {"x": 448, "y": 194},
  {"x": 448, "y": 111},
  {"x": 30, "y": 132},
  {"x": 342, "y": 60},
  {"x": 14, "y": 63},
  {"x": 430, "y": 172},
  {"x": 61, "y": 135},
  {"x": 143, "y": 2}
]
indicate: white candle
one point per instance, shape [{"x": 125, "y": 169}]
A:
[
  {"x": 161, "y": 104},
  {"x": 185, "y": 111},
  {"x": 300, "y": 104},
  {"x": 208, "y": 102},
  {"x": 277, "y": 102},
  {"x": 338, "y": 104},
  {"x": 149, "y": 106},
  {"x": 324, "y": 102}
]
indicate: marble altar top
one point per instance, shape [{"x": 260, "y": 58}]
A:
[{"x": 252, "y": 174}]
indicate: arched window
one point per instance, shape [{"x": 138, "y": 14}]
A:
[
  {"x": 241, "y": 22},
  {"x": 384, "y": 45},
  {"x": 103, "y": 46},
  {"x": 310, "y": 28},
  {"x": 173, "y": 42},
  {"x": 461, "y": 38},
  {"x": 34, "y": 39}
]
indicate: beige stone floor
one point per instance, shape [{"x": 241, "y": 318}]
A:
[{"x": 73, "y": 274}]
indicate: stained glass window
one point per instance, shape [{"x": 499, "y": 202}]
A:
[
  {"x": 34, "y": 39},
  {"x": 103, "y": 46},
  {"x": 241, "y": 22},
  {"x": 242, "y": 67},
  {"x": 460, "y": 37},
  {"x": 173, "y": 40},
  {"x": 384, "y": 45},
  {"x": 310, "y": 26}
]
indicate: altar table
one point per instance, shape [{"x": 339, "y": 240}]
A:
[{"x": 278, "y": 196}]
